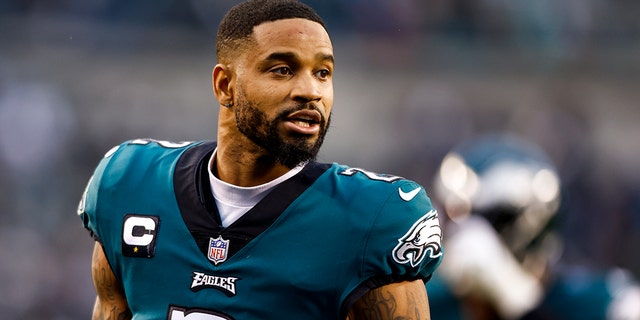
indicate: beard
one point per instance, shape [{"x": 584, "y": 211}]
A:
[{"x": 288, "y": 151}]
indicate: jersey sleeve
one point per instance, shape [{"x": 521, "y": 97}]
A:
[
  {"x": 405, "y": 241},
  {"x": 87, "y": 208},
  {"x": 123, "y": 166}
]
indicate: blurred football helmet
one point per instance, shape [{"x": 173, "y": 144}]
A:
[{"x": 505, "y": 179}]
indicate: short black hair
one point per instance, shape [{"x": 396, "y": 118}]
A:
[{"x": 237, "y": 25}]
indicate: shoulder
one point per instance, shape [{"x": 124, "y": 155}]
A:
[
  {"x": 377, "y": 188},
  {"x": 366, "y": 178},
  {"x": 140, "y": 158},
  {"x": 403, "y": 225},
  {"x": 143, "y": 152},
  {"x": 144, "y": 149},
  {"x": 128, "y": 164}
]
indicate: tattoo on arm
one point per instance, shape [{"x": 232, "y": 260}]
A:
[
  {"x": 110, "y": 302},
  {"x": 381, "y": 304},
  {"x": 113, "y": 313},
  {"x": 389, "y": 303}
]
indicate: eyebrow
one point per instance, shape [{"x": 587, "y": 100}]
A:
[
  {"x": 285, "y": 56},
  {"x": 290, "y": 56},
  {"x": 325, "y": 57}
]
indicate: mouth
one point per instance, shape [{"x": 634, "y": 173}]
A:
[{"x": 305, "y": 122}]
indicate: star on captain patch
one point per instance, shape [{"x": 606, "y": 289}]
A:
[{"x": 218, "y": 249}]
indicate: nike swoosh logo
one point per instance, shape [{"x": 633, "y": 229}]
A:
[{"x": 408, "y": 196}]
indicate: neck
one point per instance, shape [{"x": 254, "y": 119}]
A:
[
  {"x": 240, "y": 167},
  {"x": 241, "y": 162}
]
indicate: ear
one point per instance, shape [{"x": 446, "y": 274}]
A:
[{"x": 222, "y": 87}]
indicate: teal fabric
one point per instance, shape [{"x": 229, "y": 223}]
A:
[{"x": 342, "y": 234}]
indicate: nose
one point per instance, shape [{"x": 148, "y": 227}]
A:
[{"x": 306, "y": 88}]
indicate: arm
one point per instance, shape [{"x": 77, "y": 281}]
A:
[
  {"x": 110, "y": 302},
  {"x": 405, "y": 300}
]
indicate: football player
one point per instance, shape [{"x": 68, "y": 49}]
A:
[
  {"x": 501, "y": 195},
  {"x": 250, "y": 226}
]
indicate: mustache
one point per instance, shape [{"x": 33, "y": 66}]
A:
[{"x": 284, "y": 114}]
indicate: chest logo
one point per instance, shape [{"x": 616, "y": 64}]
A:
[
  {"x": 424, "y": 238},
  {"x": 204, "y": 281},
  {"x": 218, "y": 250}
]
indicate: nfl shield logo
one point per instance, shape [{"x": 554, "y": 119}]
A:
[{"x": 218, "y": 248}]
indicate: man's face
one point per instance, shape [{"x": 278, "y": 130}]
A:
[{"x": 284, "y": 89}]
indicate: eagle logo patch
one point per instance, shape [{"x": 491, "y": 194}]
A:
[{"x": 422, "y": 240}]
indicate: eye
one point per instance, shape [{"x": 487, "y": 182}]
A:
[
  {"x": 283, "y": 71},
  {"x": 323, "y": 74}
]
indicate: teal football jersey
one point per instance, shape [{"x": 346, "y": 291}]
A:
[
  {"x": 308, "y": 250},
  {"x": 574, "y": 293},
  {"x": 581, "y": 293}
]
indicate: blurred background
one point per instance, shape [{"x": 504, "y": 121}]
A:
[{"x": 413, "y": 79}]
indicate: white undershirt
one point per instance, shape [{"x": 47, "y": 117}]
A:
[{"x": 233, "y": 201}]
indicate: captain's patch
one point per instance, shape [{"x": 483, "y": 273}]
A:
[{"x": 139, "y": 235}]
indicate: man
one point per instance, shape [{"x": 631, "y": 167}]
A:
[
  {"x": 251, "y": 227},
  {"x": 501, "y": 195}
]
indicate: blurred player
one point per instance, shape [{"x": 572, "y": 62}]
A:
[{"x": 501, "y": 195}]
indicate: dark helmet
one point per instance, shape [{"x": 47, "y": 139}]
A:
[{"x": 505, "y": 179}]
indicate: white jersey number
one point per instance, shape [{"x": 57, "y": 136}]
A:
[
  {"x": 176, "y": 313},
  {"x": 370, "y": 175},
  {"x": 163, "y": 143}
]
